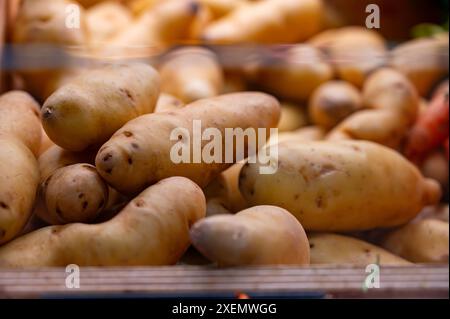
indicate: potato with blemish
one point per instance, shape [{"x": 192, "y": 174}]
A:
[
  {"x": 153, "y": 229},
  {"x": 19, "y": 178},
  {"x": 424, "y": 61},
  {"x": 148, "y": 148},
  {"x": 167, "y": 102},
  {"x": 332, "y": 102},
  {"x": 341, "y": 186},
  {"x": 88, "y": 110},
  {"x": 422, "y": 241},
  {"x": 191, "y": 74},
  {"x": 392, "y": 106},
  {"x": 329, "y": 248},
  {"x": 261, "y": 235},
  {"x": 70, "y": 189},
  {"x": 267, "y": 21},
  {"x": 20, "y": 117},
  {"x": 294, "y": 74}
]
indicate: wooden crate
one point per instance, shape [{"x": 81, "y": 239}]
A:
[{"x": 332, "y": 281}]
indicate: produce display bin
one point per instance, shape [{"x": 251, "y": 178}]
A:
[{"x": 421, "y": 280}]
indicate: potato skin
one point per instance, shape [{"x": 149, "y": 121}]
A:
[
  {"x": 261, "y": 235},
  {"x": 422, "y": 241},
  {"x": 327, "y": 248},
  {"x": 89, "y": 109},
  {"x": 289, "y": 77},
  {"x": 151, "y": 230},
  {"x": 332, "y": 102},
  {"x": 268, "y": 21},
  {"x": 390, "y": 99},
  {"x": 167, "y": 102},
  {"x": 70, "y": 188},
  {"x": 19, "y": 176},
  {"x": 138, "y": 154},
  {"x": 424, "y": 61},
  {"x": 341, "y": 186},
  {"x": 72, "y": 194},
  {"x": 191, "y": 74},
  {"x": 20, "y": 117}
]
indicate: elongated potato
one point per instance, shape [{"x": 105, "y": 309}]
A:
[
  {"x": 268, "y": 21},
  {"x": 20, "y": 117},
  {"x": 295, "y": 74},
  {"x": 88, "y": 110},
  {"x": 355, "y": 51},
  {"x": 19, "y": 178},
  {"x": 329, "y": 248},
  {"x": 332, "y": 102},
  {"x": 424, "y": 61},
  {"x": 167, "y": 102},
  {"x": 423, "y": 241},
  {"x": 105, "y": 20},
  {"x": 393, "y": 105},
  {"x": 70, "y": 189},
  {"x": 261, "y": 235},
  {"x": 164, "y": 24},
  {"x": 191, "y": 74},
  {"x": 341, "y": 186},
  {"x": 148, "y": 148},
  {"x": 151, "y": 230}
]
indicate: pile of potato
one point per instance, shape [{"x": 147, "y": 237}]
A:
[{"x": 86, "y": 175}]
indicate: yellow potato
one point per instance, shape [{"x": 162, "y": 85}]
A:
[
  {"x": 341, "y": 186},
  {"x": 393, "y": 105},
  {"x": 355, "y": 51},
  {"x": 423, "y": 241},
  {"x": 191, "y": 74},
  {"x": 294, "y": 75},
  {"x": 153, "y": 229},
  {"x": 221, "y": 8},
  {"x": 262, "y": 235},
  {"x": 20, "y": 117},
  {"x": 168, "y": 22},
  {"x": 71, "y": 190},
  {"x": 329, "y": 248},
  {"x": 105, "y": 20},
  {"x": 167, "y": 102},
  {"x": 89, "y": 109},
  {"x": 139, "y": 154},
  {"x": 332, "y": 102},
  {"x": 292, "y": 117},
  {"x": 268, "y": 21},
  {"x": 19, "y": 178},
  {"x": 424, "y": 61},
  {"x": 74, "y": 193},
  {"x": 44, "y": 23}
]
